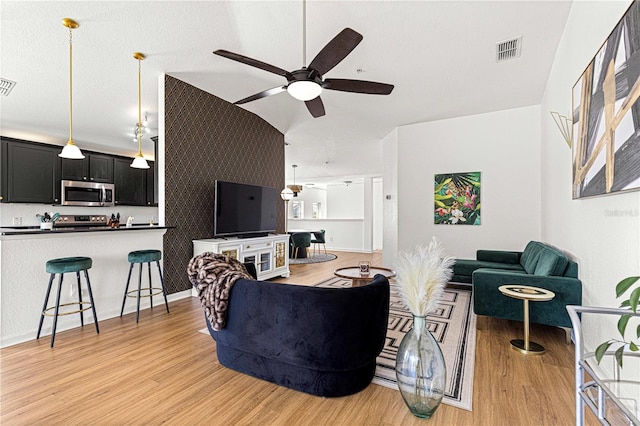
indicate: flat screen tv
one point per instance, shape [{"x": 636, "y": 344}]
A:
[{"x": 244, "y": 210}]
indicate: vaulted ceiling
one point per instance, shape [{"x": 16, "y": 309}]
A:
[{"x": 440, "y": 55}]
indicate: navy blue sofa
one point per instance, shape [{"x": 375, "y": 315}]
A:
[{"x": 322, "y": 341}]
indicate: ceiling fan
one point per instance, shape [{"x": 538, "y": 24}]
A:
[{"x": 306, "y": 83}]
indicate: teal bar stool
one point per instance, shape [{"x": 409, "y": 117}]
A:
[
  {"x": 62, "y": 266},
  {"x": 144, "y": 256}
]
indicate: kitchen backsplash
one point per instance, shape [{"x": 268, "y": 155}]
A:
[{"x": 26, "y": 213}]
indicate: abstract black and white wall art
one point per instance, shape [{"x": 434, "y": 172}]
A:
[{"x": 606, "y": 114}]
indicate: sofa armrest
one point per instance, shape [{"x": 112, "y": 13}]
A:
[
  {"x": 500, "y": 256},
  {"x": 487, "y": 299}
]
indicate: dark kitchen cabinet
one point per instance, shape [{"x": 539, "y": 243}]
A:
[
  {"x": 30, "y": 172},
  {"x": 131, "y": 184},
  {"x": 152, "y": 185},
  {"x": 93, "y": 168}
]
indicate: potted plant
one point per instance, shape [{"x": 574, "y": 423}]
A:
[
  {"x": 420, "y": 368},
  {"x": 632, "y": 303}
]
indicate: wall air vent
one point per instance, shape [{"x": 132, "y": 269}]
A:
[
  {"x": 508, "y": 49},
  {"x": 6, "y": 86}
]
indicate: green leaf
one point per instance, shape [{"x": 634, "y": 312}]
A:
[
  {"x": 439, "y": 203},
  {"x": 619, "y": 353},
  {"x": 602, "y": 349},
  {"x": 633, "y": 347},
  {"x": 441, "y": 197},
  {"x": 622, "y": 323},
  {"x": 633, "y": 299},
  {"x": 625, "y": 304},
  {"x": 625, "y": 285},
  {"x": 638, "y": 332}
]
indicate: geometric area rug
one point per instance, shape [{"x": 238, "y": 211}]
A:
[{"x": 452, "y": 324}]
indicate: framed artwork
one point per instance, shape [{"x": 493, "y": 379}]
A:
[
  {"x": 606, "y": 114},
  {"x": 456, "y": 198}
]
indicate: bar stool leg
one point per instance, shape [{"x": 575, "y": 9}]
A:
[
  {"x": 80, "y": 299},
  {"x": 124, "y": 299},
  {"x": 150, "y": 289},
  {"x": 55, "y": 317},
  {"x": 139, "y": 290},
  {"x": 164, "y": 290},
  {"x": 93, "y": 305},
  {"x": 46, "y": 300}
]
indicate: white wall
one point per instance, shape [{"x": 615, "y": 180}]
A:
[
  {"x": 345, "y": 202},
  {"x": 603, "y": 233},
  {"x": 341, "y": 234},
  {"x": 377, "y": 214},
  {"x": 505, "y": 147},
  {"x": 390, "y": 195}
]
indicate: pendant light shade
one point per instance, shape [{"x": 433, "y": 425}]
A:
[
  {"x": 295, "y": 188},
  {"x": 71, "y": 150},
  {"x": 139, "y": 161}
]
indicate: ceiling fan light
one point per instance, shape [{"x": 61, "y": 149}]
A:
[
  {"x": 139, "y": 162},
  {"x": 71, "y": 151},
  {"x": 304, "y": 90}
]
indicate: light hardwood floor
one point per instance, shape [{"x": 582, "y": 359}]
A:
[{"x": 164, "y": 371}]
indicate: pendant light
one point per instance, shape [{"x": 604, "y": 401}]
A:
[
  {"x": 139, "y": 162},
  {"x": 71, "y": 150},
  {"x": 295, "y": 188}
]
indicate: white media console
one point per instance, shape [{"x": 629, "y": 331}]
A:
[{"x": 270, "y": 254}]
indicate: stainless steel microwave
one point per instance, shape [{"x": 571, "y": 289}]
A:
[{"x": 88, "y": 194}]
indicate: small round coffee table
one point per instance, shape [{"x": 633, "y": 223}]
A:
[
  {"x": 358, "y": 279},
  {"x": 526, "y": 293}
]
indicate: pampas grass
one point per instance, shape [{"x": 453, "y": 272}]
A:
[{"x": 422, "y": 274}]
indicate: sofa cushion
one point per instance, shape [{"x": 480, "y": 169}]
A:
[
  {"x": 499, "y": 256},
  {"x": 551, "y": 262},
  {"x": 541, "y": 259},
  {"x": 529, "y": 258},
  {"x": 467, "y": 266}
]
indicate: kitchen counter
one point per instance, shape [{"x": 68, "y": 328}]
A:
[
  {"x": 24, "y": 252},
  {"x": 35, "y": 230}
]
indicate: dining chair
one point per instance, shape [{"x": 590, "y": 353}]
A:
[
  {"x": 300, "y": 240},
  {"x": 318, "y": 238}
]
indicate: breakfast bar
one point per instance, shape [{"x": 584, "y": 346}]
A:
[{"x": 23, "y": 280}]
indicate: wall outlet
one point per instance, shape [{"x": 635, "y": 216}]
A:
[{"x": 17, "y": 221}]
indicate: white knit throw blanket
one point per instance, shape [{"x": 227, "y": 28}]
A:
[{"x": 213, "y": 275}]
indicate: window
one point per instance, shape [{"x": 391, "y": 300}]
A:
[
  {"x": 297, "y": 208},
  {"x": 315, "y": 210}
]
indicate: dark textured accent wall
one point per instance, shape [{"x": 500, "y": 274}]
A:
[{"x": 207, "y": 138}]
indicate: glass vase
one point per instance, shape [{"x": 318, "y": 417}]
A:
[{"x": 420, "y": 370}]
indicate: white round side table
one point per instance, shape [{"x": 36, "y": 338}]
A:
[{"x": 526, "y": 293}]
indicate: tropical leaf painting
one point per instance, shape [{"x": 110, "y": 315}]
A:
[{"x": 456, "y": 199}]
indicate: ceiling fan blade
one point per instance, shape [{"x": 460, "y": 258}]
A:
[
  {"x": 253, "y": 62},
  {"x": 315, "y": 107},
  {"x": 262, "y": 94},
  {"x": 336, "y": 50},
  {"x": 357, "y": 86}
]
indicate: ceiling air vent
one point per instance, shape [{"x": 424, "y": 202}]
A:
[
  {"x": 6, "y": 86},
  {"x": 508, "y": 49}
]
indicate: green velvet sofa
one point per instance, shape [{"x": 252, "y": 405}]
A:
[{"x": 538, "y": 265}]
